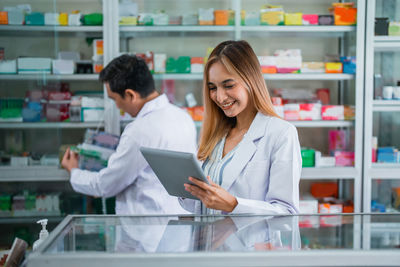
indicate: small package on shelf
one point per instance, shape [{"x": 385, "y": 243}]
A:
[
  {"x": 69, "y": 55},
  {"x": 84, "y": 67},
  {"x": 326, "y": 20},
  {"x": 190, "y": 19},
  {"x": 32, "y": 112},
  {"x": 62, "y": 66},
  {"x": 197, "y": 65},
  {"x": 330, "y": 208},
  {"x": 145, "y": 19},
  {"x": 34, "y": 18},
  {"x": 49, "y": 160},
  {"x": 278, "y": 106},
  {"x": 288, "y": 61},
  {"x": 63, "y": 19},
  {"x": 309, "y": 206},
  {"x": 179, "y": 65},
  {"x": 175, "y": 20},
  {"x": 308, "y": 157},
  {"x": 323, "y": 95},
  {"x": 29, "y": 65},
  {"x": 3, "y": 17},
  {"x": 159, "y": 63},
  {"x": 74, "y": 19},
  {"x": 345, "y": 14},
  {"x": 128, "y": 21},
  {"x": 334, "y": 67},
  {"x": 291, "y": 112},
  {"x": 324, "y": 189},
  {"x": 310, "y": 19},
  {"x": 313, "y": 67},
  {"x": 92, "y": 109},
  {"x": 51, "y": 19},
  {"x": 268, "y": 64},
  {"x": 321, "y": 161},
  {"x": 206, "y": 16},
  {"x": 344, "y": 158},
  {"x": 75, "y": 109},
  {"x": 15, "y": 15},
  {"x": 394, "y": 28},
  {"x": 332, "y": 112},
  {"x": 310, "y": 111},
  {"x": 8, "y": 66},
  {"x": 252, "y": 18},
  {"x": 93, "y": 19},
  {"x": 160, "y": 19},
  {"x": 272, "y": 15},
  {"x": 294, "y": 18},
  {"x": 221, "y": 17},
  {"x": 349, "y": 64},
  {"x": 19, "y": 161},
  {"x": 148, "y": 57},
  {"x": 57, "y": 108},
  {"x": 197, "y": 112},
  {"x": 11, "y": 109},
  {"x": 382, "y": 26},
  {"x": 388, "y": 155}
]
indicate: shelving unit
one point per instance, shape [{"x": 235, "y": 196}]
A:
[
  {"x": 49, "y": 77},
  {"x": 50, "y": 125},
  {"x": 33, "y": 174},
  {"x": 375, "y": 45}
]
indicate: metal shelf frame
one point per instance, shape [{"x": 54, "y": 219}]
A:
[
  {"x": 33, "y": 174},
  {"x": 50, "y": 125},
  {"x": 49, "y": 77},
  {"x": 372, "y": 171}
]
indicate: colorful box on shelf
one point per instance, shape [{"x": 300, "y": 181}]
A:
[
  {"x": 288, "y": 61},
  {"x": 3, "y": 17},
  {"x": 251, "y": 18},
  {"x": 291, "y": 112},
  {"x": 128, "y": 21},
  {"x": 388, "y": 155},
  {"x": 313, "y": 67},
  {"x": 310, "y": 19},
  {"x": 268, "y": 64},
  {"x": 394, "y": 28},
  {"x": 334, "y": 67},
  {"x": 339, "y": 140},
  {"x": 63, "y": 19},
  {"x": 272, "y": 15},
  {"x": 345, "y": 14},
  {"x": 178, "y": 65},
  {"x": 32, "y": 112},
  {"x": 330, "y": 208},
  {"x": 221, "y": 17},
  {"x": 197, "y": 112},
  {"x": 310, "y": 111},
  {"x": 31, "y": 65},
  {"x": 326, "y": 20},
  {"x": 206, "y": 16},
  {"x": 344, "y": 158},
  {"x": 145, "y": 19},
  {"x": 34, "y": 18},
  {"x": 197, "y": 65},
  {"x": 324, "y": 189},
  {"x": 92, "y": 109},
  {"x": 308, "y": 157},
  {"x": 52, "y": 19},
  {"x": 332, "y": 112},
  {"x": 8, "y": 66},
  {"x": 11, "y": 109},
  {"x": 321, "y": 161},
  {"x": 148, "y": 57},
  {"x": 294, "y": 19},
  {"x": 93, "y": 19},
  {"x": 349, "y": 64},
  {"x": 160, "y": 19}
]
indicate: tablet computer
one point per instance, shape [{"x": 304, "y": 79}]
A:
[{"x": 173, "y": 169}]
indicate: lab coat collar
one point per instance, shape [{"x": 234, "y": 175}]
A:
[
  {"x": 157, "y": 103},
  {"x": 245, "y": 151}
]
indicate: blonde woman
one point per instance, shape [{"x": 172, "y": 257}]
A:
[{"x": 251, "y": 156}]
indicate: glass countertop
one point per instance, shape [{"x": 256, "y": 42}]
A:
[{"x": 223, "y": 235}]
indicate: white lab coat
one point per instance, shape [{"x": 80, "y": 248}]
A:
[
  {"x": 265, "y": 170},
  {"x": 128, "y": 176}
]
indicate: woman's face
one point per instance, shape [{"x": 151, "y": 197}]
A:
[{"x": 227, "y": 90}]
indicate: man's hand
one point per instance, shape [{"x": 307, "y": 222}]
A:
[
  {"x": 70, "y": 160},
  {"x": 213, "y": 196}
]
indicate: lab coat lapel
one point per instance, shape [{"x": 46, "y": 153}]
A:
[{"x": 245, "y": 151}]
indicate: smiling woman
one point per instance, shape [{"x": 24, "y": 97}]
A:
[{"x": 251, "y": 156}]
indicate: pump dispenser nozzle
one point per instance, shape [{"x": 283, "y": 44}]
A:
[{"x": 43, "y": 233}]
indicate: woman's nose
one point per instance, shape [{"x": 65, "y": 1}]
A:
[{"x": 221, "y": 96}]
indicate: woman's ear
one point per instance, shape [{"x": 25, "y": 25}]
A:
[{"x": 131, "y": 95}]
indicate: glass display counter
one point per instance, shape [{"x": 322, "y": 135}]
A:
[{"x": 306, "y": 240}]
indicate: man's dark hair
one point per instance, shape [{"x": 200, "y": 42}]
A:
[{"x": 128, "y": 72}]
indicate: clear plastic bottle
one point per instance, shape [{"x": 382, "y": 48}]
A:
[{"x": 43, "y": 234}]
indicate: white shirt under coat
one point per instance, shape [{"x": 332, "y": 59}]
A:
[
  {"x": 264, "y": 172},
  {"x": 128, "y": 176}
]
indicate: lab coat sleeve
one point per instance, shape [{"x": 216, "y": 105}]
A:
[
  {"x": 123, "y": 167},
  {"x": 284, "y": 175},
  {"x": 188, "y": 204}
]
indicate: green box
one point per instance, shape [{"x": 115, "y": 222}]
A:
[
  {"x": 308, "y": 157},
  {"x": 34, "y": 18}
]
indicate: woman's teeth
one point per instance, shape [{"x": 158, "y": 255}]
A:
[{"x": 228, "y": 105}]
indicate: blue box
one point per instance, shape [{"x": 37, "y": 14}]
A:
[
  {"x": 349, "y": 64},
  {"x": 34, "y": 18}
]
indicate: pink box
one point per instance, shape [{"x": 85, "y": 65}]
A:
[
  {"x": 332, "y": 112},
  {"x": 310, "y": 19},
  {"x": 292, "y": 112},
  {"x": 338, "y": 141},
  {"x": 330, "y": 208},
  {"x": 310, "y": 112},
  {"x": 344, "y": 158}
]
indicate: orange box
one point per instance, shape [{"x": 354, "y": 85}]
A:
[
  {"x": 3, "y": 17},
  {"x": 333, "y": 67},
  {"x": 328, "y": 189},
  {"x": 196, "y": 60},
  {"x": 269, "y": 69},
  {"x": 345, "y": 16},
  {"x": 198, "y": 113},
  {"x": 221, "y": 17}
]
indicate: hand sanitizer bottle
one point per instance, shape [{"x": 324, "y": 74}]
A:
[{"x": 43, "y": 234}]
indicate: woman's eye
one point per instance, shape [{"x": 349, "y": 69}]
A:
[
  {"x": 229, "y": 86},
  {"x": 212, "y": 88}
]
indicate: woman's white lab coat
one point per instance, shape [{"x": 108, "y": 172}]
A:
[{"x": 265, "y": 170}]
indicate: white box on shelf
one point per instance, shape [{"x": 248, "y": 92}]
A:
[
  {"x": 321, "y": 161},
  {"x": 8, "y": 66},
  {"x": 29, "y": 65},
  {"x": 92, "y": 102},
  {"x": 74, "y": 19},
  {"x": 160, "y": 63},
  {"x": 51, "y": 19},
  {"x": 92, "y": 114},
  {"x": 19, "y": 161},
  {"x": 69, "y": 55},
  {"x": 62, "y": 66},
  {"x": 15, "y": 15},
  {"x": 308, "y": 206}
]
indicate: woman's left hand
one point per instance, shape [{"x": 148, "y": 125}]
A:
[{"x": 212, "y": 195}]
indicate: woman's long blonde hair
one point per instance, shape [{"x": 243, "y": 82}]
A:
[{"x": 238, "y": 58}]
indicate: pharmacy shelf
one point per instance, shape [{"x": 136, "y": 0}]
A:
[
  {"x": 173, "y": 28},
  {"x": 385, "y": 171},
  {"x": 322, "y": 124},
  {"x": 33, "y": 174},
  {"x": 329, "y": 173},
  {"x": 386, "y": 105},
  {"x": 289, "y": 76},
  {"x": 33, "y": 220},
  {"x": 50, "y": 125},
  {"x": 385, "y": 227},
  {"x": 386, "y": 43},
  {"x": 50, "y": 77},
  {"x": 296, "y": 29},
  {"x": 22, "y": 29}
]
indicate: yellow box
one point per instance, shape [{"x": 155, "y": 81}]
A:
[
  {"x": 272, "y": 18},
  {"x": 293, "y": 18},
  {"x": 129, "y": 20},
  {"x": 333, "y": 67},
  {"x": 63, "y": 19}
]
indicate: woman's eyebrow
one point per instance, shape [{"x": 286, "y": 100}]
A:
[{"x": 228, "y": 80}]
